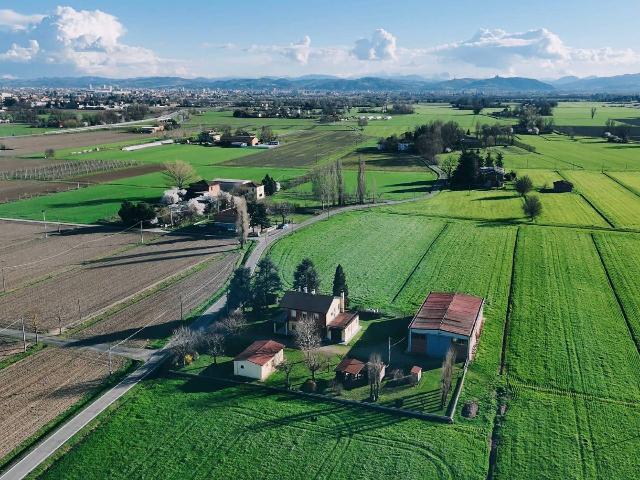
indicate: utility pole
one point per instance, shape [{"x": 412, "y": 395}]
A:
[
  {"x": 181, "y": 314},
  {"x": 4, "y": 287},
  {"x": 44, "y": 219},
  {"x": 389, "y": 353},
  {"x": 141, "y": 233},
  {"x": 24, "y": 335},
  {"x": 79, "y": 316},
  {"x": 110, "y": 364}
]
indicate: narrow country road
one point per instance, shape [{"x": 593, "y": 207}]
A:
[{"x": 57, "y": 439}]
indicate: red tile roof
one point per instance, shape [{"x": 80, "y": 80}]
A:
[
  {"x": 416, "y": 369},
  {"x": 260, "y": 352},
  {"x": 350, "y": 366},
  {"x": 342, "y": 320},
  {"x": 450, "y": 312}
]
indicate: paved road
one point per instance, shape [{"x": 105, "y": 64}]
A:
[
  {"x": 54, "y": 441},
  {"x": 142, "y": 354}
]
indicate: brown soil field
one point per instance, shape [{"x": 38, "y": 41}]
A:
[
  {"x": 10, "y": 346},
  {"x": 29, "y": 144},
  {"x": 26, "y": 261},
  {"x": 14, "y": 163},
  {"x": 11, "y": 190},
  {"x": 40, "y": 387},
  {"x": 159, "y": 313},
  {"x": 99, "y": 284}
]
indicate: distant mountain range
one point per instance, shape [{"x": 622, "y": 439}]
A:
[{"x": 411, "y": 83}]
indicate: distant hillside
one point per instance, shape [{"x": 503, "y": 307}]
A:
[
  {"x": 309, "y": 82},
  {"x": 629, "y": 83}
]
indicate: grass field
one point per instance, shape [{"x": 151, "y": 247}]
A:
[
  {"x": 567, "y": 330},
  {"x": 504, "y": 206},
  {"x": 17, "y": 129},
  {"x": 618, "y": 204},
  {"x": 550, "y": 436},
  {"x": 579, "y": 113},
  {"x": 177, "y": 428}
]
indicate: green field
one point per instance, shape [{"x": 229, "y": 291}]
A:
[
  {"x": 579, "y": 113},
  {"x": 209, "y": 431},
  {"x": 505, "y": 206},
  {"x": 619, "y": 205},
  {"x": 18, "y": 129},
  {"x": 567, "y": 330}
]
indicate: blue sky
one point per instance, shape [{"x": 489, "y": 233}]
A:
[{"x": 346, "y": 38}]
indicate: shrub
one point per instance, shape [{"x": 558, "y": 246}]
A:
[{"x": 524, "y": 185}]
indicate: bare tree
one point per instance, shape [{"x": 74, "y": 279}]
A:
[
  {"x": 447, "y": 375},
  {"x": 242, "y": 219},
  {"x": 361, "y": 191},
  {"x": 213, "y": 342},
  {"x": 283, "y": 209},
  {"x": 179, "y": 174},
  {"x": 375, "y": 366},
  {"x": 233, "y": 323},
  {"x": 593, "y": 111},
  {"x": 340, "y": 183},
  {"x": 286, "y": 367},
  {"x": 59, "y": 313},
  {"x": 307, "y": 338},
  {"x": 185, "y": 342}
]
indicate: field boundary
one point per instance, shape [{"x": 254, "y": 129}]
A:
[
  {"x": 586, "y": 199},
  {"x": 636, "y": 341},
  {"x": 622, "y": 184},
  {"x": 415, "y": 268},
  {"x": 507, "y": 320}
]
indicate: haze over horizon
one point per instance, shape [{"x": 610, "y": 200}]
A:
[{"x": 47, "y": 39}]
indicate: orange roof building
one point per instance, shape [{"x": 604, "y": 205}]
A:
[
  {"x": 444, "y": 321},
  {"x": 258, "y": 360}
]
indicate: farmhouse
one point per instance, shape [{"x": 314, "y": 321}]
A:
[
  {"x": 243, "y": 140},
  {"x": 491, "y": 177},
  {"x": 562, "y": 186},
  {"x": 258, "y": 360},
  {"x": 204, "y": 187},
  {"x": 447, "y": 320},
  {"x": 225, "y": 220},
  {"x": 151, "y": 128},
  {"x": 253, "y": 191},
  {"x": 336, "y": 324}
]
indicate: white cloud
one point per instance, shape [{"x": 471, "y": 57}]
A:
[
  {"x": 381, "y": 46},
  {"x": 88, "y": 41},
  {"x": 14, "y": 21},
  {"x": 298, "y": 52},
  {"x": 20, "y": 54}
]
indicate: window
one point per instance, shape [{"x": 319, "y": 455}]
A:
[
  {"x": 241, "y": 366},
  {"x": 316, "y": 316}
]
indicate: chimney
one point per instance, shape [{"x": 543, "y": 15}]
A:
[
  {"x": 304, "y": 289},
  {"x": 342, "y": 302}
]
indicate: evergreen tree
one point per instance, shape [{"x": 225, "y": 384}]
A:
[
  {"x": 239, "y": 288},
  {"x": 500, "y": 160},
  {"x": 340, "y": 283},
  {"x": 468, "y": 169},
  {"x": 259, "y": 216},
  {"x": 306, "y": 277},
  {"x": 266, "y": 284}
]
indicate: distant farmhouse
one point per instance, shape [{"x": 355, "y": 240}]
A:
[
  {"x": 335, "y": 322},
  {"x": 253, "y": 191},
  {"x": 491, "y": 177},
  {"x": 243, "y": 141},
  {"x": 447, "y": 320},
  {"x": 258, "y": 360}
]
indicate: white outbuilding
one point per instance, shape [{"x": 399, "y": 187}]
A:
[{"x": 258, "y": 360}]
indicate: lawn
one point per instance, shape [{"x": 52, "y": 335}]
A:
[
  {"x": 567, "y": 331},
  {"x": 179, "y": 428},
  {"x": 618, "y": 204},
  {"x": 579, "y": 113},
  {"x": 217, "y": 119}
]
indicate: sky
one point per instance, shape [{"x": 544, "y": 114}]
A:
[{"x": 249, "y": 38}]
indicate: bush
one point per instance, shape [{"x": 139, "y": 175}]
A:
[
  {"x": 131, "y": 213},
  {"x": 532, "y": 206}
]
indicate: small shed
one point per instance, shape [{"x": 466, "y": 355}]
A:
[
  {"x": 416, "y": 373},
  {"x": 351, "y": 372},
  {"x": 258, "y": 360},
  {"x": 562, "y": 186}
]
